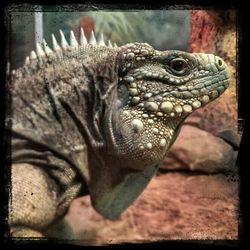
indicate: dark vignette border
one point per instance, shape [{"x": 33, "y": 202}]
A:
[{"x": 242, "y": 59}]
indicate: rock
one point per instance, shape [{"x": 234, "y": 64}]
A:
[
  {"x": 198, "y": 150},
  {"x": 230, "y": 137}
]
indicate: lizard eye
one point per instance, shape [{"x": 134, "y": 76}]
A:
[{"x": 178, "y": 66}]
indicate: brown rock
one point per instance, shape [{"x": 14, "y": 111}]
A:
[{"x": 198, "y": 150}]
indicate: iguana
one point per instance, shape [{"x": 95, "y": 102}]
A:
[{"x": 97, "y": 119}]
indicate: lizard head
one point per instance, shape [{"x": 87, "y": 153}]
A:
[{"x": 157, "y": 91}]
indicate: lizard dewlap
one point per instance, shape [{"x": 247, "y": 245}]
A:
[{"x": 94, "y": 118}]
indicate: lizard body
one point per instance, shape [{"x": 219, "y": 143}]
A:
[{"x": 95, "y": 119}]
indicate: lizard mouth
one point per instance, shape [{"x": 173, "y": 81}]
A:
[
  {"x": 212, "y": 90},
  {"x": 184, "y": 101}
]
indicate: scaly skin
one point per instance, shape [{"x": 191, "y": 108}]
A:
[
  {"x": 97, "y": 119},
  {"x": 159, "y": 98}
]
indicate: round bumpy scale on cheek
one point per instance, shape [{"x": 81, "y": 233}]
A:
[
  {"x": 214, "y": 94},
  {"x": 136, "y": 99},
  {"x": 196, "y": 104},
  {"x": 176, "y": 94},
  {"x": 150, "y": 121},
  {"x": 137, "y": 125},
  {"x": 144, "y": 52},
  {"x": 182, "y": 88},
  {"x": 163, "y": 143},
  {"x": 155, "y": 130},
  {"x": 187, "y": 108},
  {"x": 130, "y": 56},
  {"x": 148, "y": 95},
  {"x": 149, "y": 145},
  {"x": 205, "y": 99},
  {"x": 178, "y": 109},
  {"x": 125, "y": 113},
  {"x": 195, "y": 92},
  {"x": 130, "y": 79},
  {"x": 133, "y": 91},
  {"x": 151, "y": 106},
  {"x": 158, "y": 98},
  {"x": 133, "y": 85},
  {"x": 220, "y": 89},
  {"x": 160, "y": 114},
  {"x": 166, "y": 107}
]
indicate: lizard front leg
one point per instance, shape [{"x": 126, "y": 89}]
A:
[{"x": 33, "y": 201}]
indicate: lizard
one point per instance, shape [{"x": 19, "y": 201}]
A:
[{"x": 97, "y": 119}]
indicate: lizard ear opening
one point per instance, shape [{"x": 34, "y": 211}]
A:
[{"x": 122, "y": 95}]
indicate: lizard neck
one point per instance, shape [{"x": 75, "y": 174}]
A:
[{"x": 138, "y": 149}]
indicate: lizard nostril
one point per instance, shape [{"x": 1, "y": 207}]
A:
[{"x": 220, "y": 62}]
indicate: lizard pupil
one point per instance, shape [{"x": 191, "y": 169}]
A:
[{"x": 178, "y": 65}]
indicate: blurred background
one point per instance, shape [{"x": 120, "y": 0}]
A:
[
  {"x": 162, "y": 29},
  {"x": 195, "y": 193}
]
